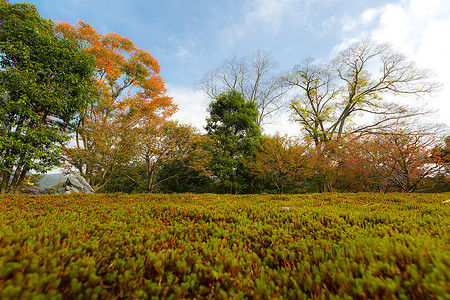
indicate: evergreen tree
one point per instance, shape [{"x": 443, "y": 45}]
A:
[{"x": 232, "y": 125}]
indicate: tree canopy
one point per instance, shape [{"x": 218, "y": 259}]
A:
[
  {"x": 45, "y": 81},
  {"x": 353, "y": 84},
  {"x": 128, "y": 85},
  {"x": 281, "y": 160},
  {"x": 232, "y": 125}
]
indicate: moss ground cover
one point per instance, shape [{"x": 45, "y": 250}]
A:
[{"x": 349, "y": 246}]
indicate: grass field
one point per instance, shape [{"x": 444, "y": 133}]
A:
[{"x": 350, "y": 246}]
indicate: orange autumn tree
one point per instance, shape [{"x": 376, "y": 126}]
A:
[
  {"x": 128, "y": 84},
  {"x": 281, "y": 160},
  {"x": 355, "y": 171},
  {"x": 395, "y": 160},
  {"x": 322, "y": 160}
]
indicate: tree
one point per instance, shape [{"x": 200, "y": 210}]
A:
[
  {"x": 45, "y": 81},
  {"x": 395, "y": 160},
  {"x": 232, "y": 126},
  {"x": 253, "y": 77},
  {"x": 187, "y": 179},
  {"x": 355, "y": 171},
  {"x": 440, "y": 156},
  {"x": 161, "y": 143},
  {"x": 322, "y": 159},
  {"x": 331, "y": 96},
  {"x": 127, "y": 84},
  {"x": 281, "y": 160}
]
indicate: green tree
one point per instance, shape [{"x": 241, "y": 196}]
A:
[
  {"x": 45, "y": 81},
  {"x": 233, "y": 126}
]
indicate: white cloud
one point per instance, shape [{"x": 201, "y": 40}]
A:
[
  {"x": 269, "y": 13},
  {"x": 369, "y": 15},
  {"x": 395, "y": 25},
  {"x": 282, "y": 125},
  {"x": 417, "y": 28},
  {"x": 420, "y": 30},
  {"x": 182, "y": 48},
  {"x": 182, "y": 53},
  {"x": 192, "y": 105},
  {"x": 349, "y": 24},
  {"x": 346, "y": 42}
]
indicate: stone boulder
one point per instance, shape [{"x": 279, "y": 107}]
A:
[
  {"x": 73, "y": 184},
  {"x": 33, "y": 190}
]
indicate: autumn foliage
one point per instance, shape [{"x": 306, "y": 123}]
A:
[
  {"x": 405, "y": 159},
  {"x": 398, "y": 160},
  {"x": 159, "y": 142},
  {"x": 281, "y": 160},
  {"x": 128, "y": 85}
]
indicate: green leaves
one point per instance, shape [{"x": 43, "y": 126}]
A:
[
  {"x": 45, "y": 81},
  {"x": 233, "y": 127}
]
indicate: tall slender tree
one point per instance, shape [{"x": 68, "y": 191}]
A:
[{"x": 233, "y": 127}]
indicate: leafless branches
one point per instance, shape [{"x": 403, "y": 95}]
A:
[
  {"x": 331, "y": 95},
  {"x": 253, "y": 77}
]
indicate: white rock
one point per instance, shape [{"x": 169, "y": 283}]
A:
[{"x": 74, "y": 184}]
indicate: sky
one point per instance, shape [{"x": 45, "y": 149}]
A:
[{"x": 189, "y": 38}]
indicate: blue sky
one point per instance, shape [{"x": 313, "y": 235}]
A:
[{"x": 189, "y": 38}]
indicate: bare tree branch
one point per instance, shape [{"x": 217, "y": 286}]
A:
[
  {"x": 331, "y": 95},
  {"x": 253, "y": 77}
]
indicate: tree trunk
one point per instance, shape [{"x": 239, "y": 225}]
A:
[
  {"x": 21, "y": 178},
  {"x": 4, "y": 183},
  {"x": 150, "y": 175}
]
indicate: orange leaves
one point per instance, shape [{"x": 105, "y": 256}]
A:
[
  {"x": 117, "y": 42},
  {"x": 282, "y": 160},
  {"x": 151, "y": 86},
  {"x": 161, "y": 106},
  {"x": 65, "y": 29},
  {"x": 84, "y": 33},
  {"x": 129, "y": 89},
  {"x": 123, "y": 71},
  {"x": 398, "y": 160},
  {"x": 147, "y": 59}
]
